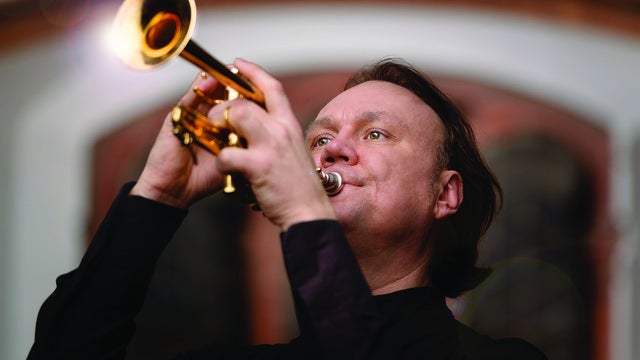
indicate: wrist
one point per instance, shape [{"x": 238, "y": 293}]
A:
[
  {"x": 321, "y": 211},
  {"x": 151, "y": 192}
]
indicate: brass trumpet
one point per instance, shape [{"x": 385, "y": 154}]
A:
[{"x": 149, "y": 33}]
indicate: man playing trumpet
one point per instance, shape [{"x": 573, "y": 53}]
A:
[{"x": 369, "y": 268}]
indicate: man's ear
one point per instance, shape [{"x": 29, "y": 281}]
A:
[{"x": 450, "y": 195}]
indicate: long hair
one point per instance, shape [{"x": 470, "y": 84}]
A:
[{"x": 452, "y": 266}]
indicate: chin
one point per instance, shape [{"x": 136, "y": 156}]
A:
[{"x": 347, "y": 216}]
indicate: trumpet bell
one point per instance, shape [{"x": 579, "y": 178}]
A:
[{"x": 147, "y": 33}]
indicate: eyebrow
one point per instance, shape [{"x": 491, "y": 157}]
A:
[{"x": 325, "y": 121}]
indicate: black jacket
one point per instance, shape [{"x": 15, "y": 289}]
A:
[{"x": 91, "y": 313}]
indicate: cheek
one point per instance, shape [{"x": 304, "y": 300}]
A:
[
  {"x": 414, "y": 168},
  {"x": 315, "y": 155},
  {"x": 416, "y": 182},
  {"x": 402, "y": 184},
  {"x": 396, "y": 175}
]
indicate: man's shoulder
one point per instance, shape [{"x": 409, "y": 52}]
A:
[{"x": 479, "y": 347}]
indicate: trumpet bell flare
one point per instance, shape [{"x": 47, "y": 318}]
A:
[{"x": 146, "y": 34}]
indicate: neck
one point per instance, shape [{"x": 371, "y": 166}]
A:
[
  {"x": 413, "y": 278},
  {"x": 392, "y": 265}
]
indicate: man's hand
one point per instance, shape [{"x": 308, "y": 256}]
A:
[
  {"x": 170, "y": 175},
  {"x": 277, "y": 161}
]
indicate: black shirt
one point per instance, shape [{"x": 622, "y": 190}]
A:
[{"x": 91, "y": 313}]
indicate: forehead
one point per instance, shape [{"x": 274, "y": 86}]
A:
[{"x": 389, "y": 102}]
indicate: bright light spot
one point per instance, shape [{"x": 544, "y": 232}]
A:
[
  {"x": 108, "y": 37},
  {"x": 124, "y": 37}
]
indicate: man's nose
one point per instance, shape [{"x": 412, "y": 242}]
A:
[{"x": 339, "y": 150}]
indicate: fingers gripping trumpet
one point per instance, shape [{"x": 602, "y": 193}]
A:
[{"x": 149, "y": 33}]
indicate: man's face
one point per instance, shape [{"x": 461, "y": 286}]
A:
[{"x": 384, "y": 142}]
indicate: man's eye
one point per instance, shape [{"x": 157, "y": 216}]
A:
[
  {"x": 321, "y": 142},
  {"x": 375, "y": 135}
]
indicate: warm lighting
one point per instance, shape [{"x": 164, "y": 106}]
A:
[{"x": 109, "y": 39}]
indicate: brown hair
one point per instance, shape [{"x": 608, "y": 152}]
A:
[{"x": 455, "y": 251}]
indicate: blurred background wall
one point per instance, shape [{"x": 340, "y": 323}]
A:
[{"x": 551, "y": 88}]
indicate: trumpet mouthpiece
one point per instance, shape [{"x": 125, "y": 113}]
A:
[{"x": 331, "y": 181}]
